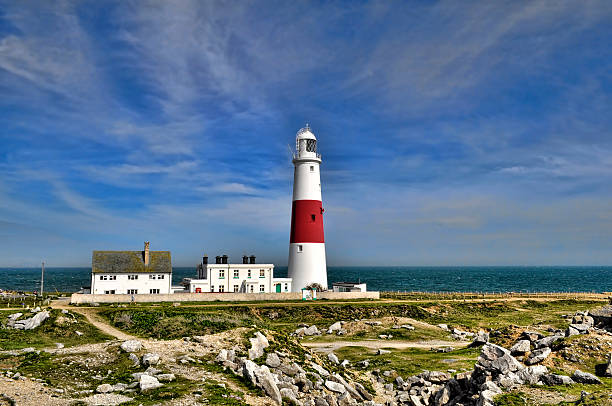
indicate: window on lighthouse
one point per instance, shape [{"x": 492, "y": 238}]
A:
[
  {"x": 299, "y": 248},
  {"x": 311, "y": 168},
  {"x": 311, "y": 146},
  {"x": 313, "y": 217}
]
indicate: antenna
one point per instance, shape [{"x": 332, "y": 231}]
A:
[{"x": 291, "y": 151}]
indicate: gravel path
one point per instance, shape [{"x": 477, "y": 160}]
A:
[{"x": 376, "y": 344}]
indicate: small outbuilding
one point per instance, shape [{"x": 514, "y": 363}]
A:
[
  {"x": 349, "y": 286},
  {"x": 131, "y": 272}
]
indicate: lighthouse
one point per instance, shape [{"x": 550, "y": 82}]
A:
[{"x": 307, "y": 245}]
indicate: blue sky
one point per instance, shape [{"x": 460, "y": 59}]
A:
[{"x": 452, "y": 133}]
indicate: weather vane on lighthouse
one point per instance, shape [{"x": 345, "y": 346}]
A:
[{"x": 307, "y": 264}]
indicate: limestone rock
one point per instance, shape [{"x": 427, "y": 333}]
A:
[
  {"x": 166, "y": 377},
  {"x": 272, "y": 360},
  {"x": 531, "y": 375},
  {"x": 608, "y": 370},
  {"x": 554, "y": 379},
  {"x": 104, "y": 388},
  {"x": 312, "y": 331},
  {"x": 266, "y": 382},
  {"x": 538, "y": 356},
  {"x": 382, "y": 352},
  {"x": 288, "y": 394},
  {"x": 148, "y": 382},
  {"x": 258, "y": 344},
  {"x": 481, "y": 338},
  {"x": 131, "y": 346},
  {"x": 320, "y": 370},
  {"x": 335, "y": 386},
  {"x": 547, "y": 341},
  {"x": 585, "y": 377},
  {"x": 521, "y": 347},
  {"x": 333, "y": 358},
  {"x": 150, "y": 359},
  {"x": 32, "y": 322},
  {"x": 334, "y": 327},
  {"x": 135, "y": 360},
  {"x": 248, "y": 371},
  {"x": 498, "y": 358}
]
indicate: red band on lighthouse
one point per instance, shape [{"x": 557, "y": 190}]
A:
[{"x": 307, "y": 222}]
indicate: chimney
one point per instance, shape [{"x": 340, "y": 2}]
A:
[
  {"x": 252, "y": 259},
  {"x": 146, "y": 253},
  {"x": 205, "y": 260},
  {"x": 224, "y": 259},
  {"x": 217, "y": 259},
  {"x": 245, "y": 259}
]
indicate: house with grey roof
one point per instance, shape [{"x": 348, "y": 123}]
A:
[{"x": 131, "y": 272}]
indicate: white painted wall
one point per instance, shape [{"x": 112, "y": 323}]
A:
[
  {"x": 229, "y": 280},
  {"x": 122, "y": 283},
  {"x": 307, "y": 180},
  {"x": 308, "y": 265}
]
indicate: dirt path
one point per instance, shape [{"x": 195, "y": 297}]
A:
[
  {"x": 93, "y": 317},
  {"x": 376, "y": 344}
]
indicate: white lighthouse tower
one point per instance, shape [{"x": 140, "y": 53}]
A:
[{"x": 307, "y": 243}]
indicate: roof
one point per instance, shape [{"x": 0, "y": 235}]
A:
[
  {"x": 348, "y": 283},
  {"x": 130, "y": 262}
]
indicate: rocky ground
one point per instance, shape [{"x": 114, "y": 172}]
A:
[{"x": 321, "y": 366}]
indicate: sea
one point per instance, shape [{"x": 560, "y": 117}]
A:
[{"x": 379, "y": 278}]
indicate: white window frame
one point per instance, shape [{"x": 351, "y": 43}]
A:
[
  {"x": 153, "y": 291},
  {"x": 132, "y": 277},
  {"x": 160, "y": 276},
  {"x": 103, "y": 277},
  {"x": 112, "y": 277},
  {"x": 248, "y": 273},
  {"x": 132, "y": 291},
  {"x": 153, "y": 277},
  {"x": 236, "y": 288},
  {"x": 236, "y": 274},
  {"x": 109, "y": 292},
  {"x": 221, "y": 273},
  {"x": 212, "y": 288},
  {"x": 221, "y": 289},
  {"x": 251, "y": 288},
  {"x": 262, "y": 288},
  {"x": 262, "y": 273}
]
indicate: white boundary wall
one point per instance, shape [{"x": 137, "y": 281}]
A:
[{"x": 78, "y": 298}]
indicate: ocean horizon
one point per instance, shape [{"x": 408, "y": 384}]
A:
[{"x": 381, "y": 278}]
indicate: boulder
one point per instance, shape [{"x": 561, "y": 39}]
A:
[
  {"x": 152, "y": 371},
  {"x": 531, "y": 336},
  {"x": 494, "y": 357},
  {"x": 575, "y": 329},
  {"x": 554, "y": 379},
  {"x": 320, "y": 370},
  {"x": 538, "y": 356},
  {"x": 333, "y": 358},
  {"x": 131, "y": 346},
  {"x": 521, "y": 347},
  {"x": 353, "y": 392},
  {"x": 265, "y": 380},
  {"x": 289, "y": 395},
  {"x": 602, "y": 316},
  {"x": 608, "y": 370},
  {"x": 104, "y": 388},
  {"x": 32, "y": 322},
  {"x": 488, "y": 391},
  {"x": 150, "y": 359},
  {"x": 531, "y": 375},
  {"x": 481, "y": 339},
  {"x": 547, "y": 341},
  {"x": 248, "y": 371},
  {"x": 335, "y": 386},
  {"x": 585, "y": 377},
  {"x": 148, "y": 382},
  {"x": 382, "y": 352},
  {"x": 135, "y": 360},
  {"x": 166, "y": 377},
  {"x": 273, "y": 360},
  {"x": 258, "y": 344},
  {"x": 334, "y": 327},
  {"x": 312, "y": 331},
  {"x": 222, "y": 356}
]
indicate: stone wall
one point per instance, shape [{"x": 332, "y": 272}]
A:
[{"x": 78, "y": 298}]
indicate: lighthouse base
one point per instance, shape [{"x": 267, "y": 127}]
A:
[{"x": 307, "y": 265}]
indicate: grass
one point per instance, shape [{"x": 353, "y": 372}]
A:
[
  {"x": 58, "y": 328},
  {"x": 412, "y": 361}
]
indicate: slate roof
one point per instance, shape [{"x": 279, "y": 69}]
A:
[{"x": 130, "y": 262}]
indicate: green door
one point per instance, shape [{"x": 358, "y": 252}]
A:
[{"x": 278, "y": 288}]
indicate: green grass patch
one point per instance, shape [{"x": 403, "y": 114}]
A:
[
  {"x": 58, "y": 328},
  {"x": 412, "y": 361}
]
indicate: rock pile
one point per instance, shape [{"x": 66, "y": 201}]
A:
[
  {"x": 282, "y": 378},
  {"x": 27, "y": 324}
]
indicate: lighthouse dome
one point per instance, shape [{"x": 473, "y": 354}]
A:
[{"x": 306, "y": 144}]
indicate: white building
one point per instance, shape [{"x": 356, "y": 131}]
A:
[
  {"x": 131, "y": 272},
  {"x": 349, "y": 287},
  {"x": 248, "y": 277},
  {"x": 307, "y": 263}
]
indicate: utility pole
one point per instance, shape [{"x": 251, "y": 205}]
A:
[{"x": 42, "y": 279}]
